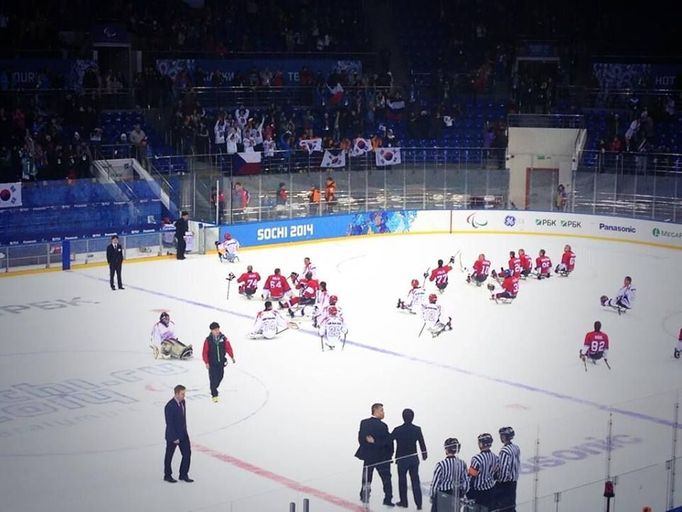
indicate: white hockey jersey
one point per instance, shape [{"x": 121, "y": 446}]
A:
[
  {"x": 230, "y": 246},
  {"x": 333, "y": 329},
  {"x": 268, "y": 324},
  {"x": 161, "y": 332},
  {"x": 310, "y": 267},
  {"x": 415, "y": 298},
  {"x": 626, "y": 296},
  {"x": 431, "y": 313}
]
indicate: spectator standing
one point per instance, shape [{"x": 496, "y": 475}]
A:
[
  {"x": 177, "y": 436},
  {"x": 240, "y": 201},
  {"x": 375, "y": 450},
  {"x": 181, "y": 228},
  {"x": 138, "y": 139},
  {"x": 561, "y": 198},
  {"x": 449, "y": 472},
  {"x": 508, "y": 475},
  {"x": 406, "y": 437},
  {"x": 330, "y": 194},
  {"x": 216, "y": 350},
  {"x": 313, "y": 200},
  {"x": 115, "y": 261}
]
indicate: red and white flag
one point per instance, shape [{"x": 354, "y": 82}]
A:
[
  {"x": 311, "y": 145},
  {"x": 10, "y": 194},
  {"x": 334, "y": 159},
  {"x": 388, "y": 156},
  {"x": 361, "y": 146}
]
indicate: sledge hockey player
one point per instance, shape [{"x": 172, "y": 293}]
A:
[
  {"x": 514, "y": 264},
  {"x": 543, "y": 265},
  {"x": 227, "y": 251},
  {"x": 567, "y": 262},
  {"x": 440, "y": 274},
  {"x": 268, "y": 323},
  {"x": 321, "y": 302},
  {"x": 526, "y": 264},
  {"x": 678, "y": 349},
  {"x": 324, "y": 313},
  {"x": 432, "y": 316},
  {"x": 248, "y": 282},
  {"x": 623, "y": 300},
  {"x": 481, "y": 270},
  {"x": 276, "y": 288},
  {"x": 333, "y": 328},
  {"x": 164, "y": 343},
  {"x": 596, "y": 345},
  {"x": 414, "y": 298},
  {"x": 308, "y": 288},
  {"x": 509, "y": 285},
  {"x": 309, "y": 266}
]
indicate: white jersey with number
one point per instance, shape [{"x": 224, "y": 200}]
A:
[
  {"x": 415, "y": 298},
  {"x": 430, "y": 313},
  {"x": 161, "y": 332},
  {"x": 230, "y": 246},
  {"x": 626, "y": 296},
  {"x": 333, "y": 329},
  {"x": 268, "y": 324}
]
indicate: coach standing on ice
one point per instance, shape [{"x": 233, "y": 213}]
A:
[
  {"x": 177, "y": 436},
  {"x": 115, "y": 261},
  {"x": 216, "y": 349},
  {"x": 376, "y": 450}
]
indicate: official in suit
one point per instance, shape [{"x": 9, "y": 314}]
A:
[
  {"x": 181, "y": 227},
  {"x": 406, "y": 437},
  {"x": 176, "y": 436},
  {"x": 115, "y": 261},
  {"x": 375, "y": 450}
]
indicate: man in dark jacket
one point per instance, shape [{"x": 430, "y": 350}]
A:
[
  {"x": 115, "y": 261},
  {"x": 181, "y": 227},
  {"x": 376, "y": 450},
  {"x": 406, "y": 437},
  {"x": 176, "y": 435},
  {"x": 216, "y": 349}
]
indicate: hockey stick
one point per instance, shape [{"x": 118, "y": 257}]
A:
[
  {"x": 229, "y": 279},
  {"x": 607, "y": 363},
  {"x": 322, "y": 343},
  {"x": 421, "y": 330},
  {"x": 584, "y": 362},
  {"x": 425, "y": 276},
  {"x": 343, "y": 344}
]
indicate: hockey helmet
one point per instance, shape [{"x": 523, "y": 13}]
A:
[
  {"x": 433, "y": 298},
  {"x": 485, "y": 441},
  {"x": 507, "y": 433},
  {"x": 268, "y": 305},
  {"x": 164, "y": 318},
  {"x": 333, "y": 299},
  {"x": 415, "y": 283},
  {"x": 452, "y": 445},
  {"x": 332, "y": 311},
  {"x": 228, "y": 236}
]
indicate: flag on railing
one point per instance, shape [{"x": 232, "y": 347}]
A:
[
  {"x": 388, "y": 156},
  {"x": 395, "y": 110},
  {"x": 311, "y": 145},
  {"x": 335, "y": 158},
  {"x": 248, "y": 162},
  {"x": 10, "y": 194},
  {"x": 361, "y": 146}
]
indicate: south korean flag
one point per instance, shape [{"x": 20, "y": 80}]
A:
[{"x": 388, "y": 156}]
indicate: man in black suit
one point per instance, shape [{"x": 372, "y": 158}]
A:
[
  {"x": 376, "y": 450},
  {"x": 406, "y": 437},
  {"x": 176, "y": 436},
  {"x": 115, "y": 261},
  {"x": 181, "y": 227}
]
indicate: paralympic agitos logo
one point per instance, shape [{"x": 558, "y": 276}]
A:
[{"x": 476, "y": 223}]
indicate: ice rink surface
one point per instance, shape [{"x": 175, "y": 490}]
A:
[{"x": 81, "y": 397}]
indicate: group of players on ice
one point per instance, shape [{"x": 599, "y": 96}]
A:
[{"x": 309, "y": 297}]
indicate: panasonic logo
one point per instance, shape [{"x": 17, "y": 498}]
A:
[{"x": 619, "y": 229}]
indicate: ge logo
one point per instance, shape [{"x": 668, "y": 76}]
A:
[{"x": 509, "y": 221}]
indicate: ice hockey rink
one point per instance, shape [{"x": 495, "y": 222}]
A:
[{"x": 81, "y": 406}]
